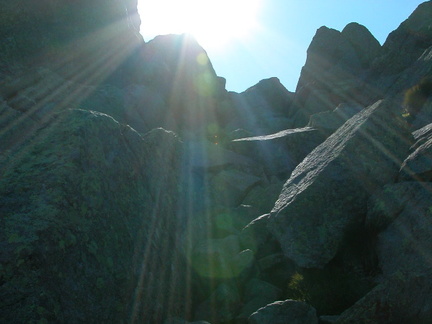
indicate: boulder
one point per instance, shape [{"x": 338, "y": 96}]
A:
[
  {"x": 326, "y": 195},
  {"x": 281, "y": 312},
  {"x": 258, "y": 294},
  {"x": 88, "y": 223}
]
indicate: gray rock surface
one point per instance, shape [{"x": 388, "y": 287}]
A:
[
  {"x": 334, "y": 71},
  {"x": 82, "y": 206},
  {"x": 281, "y": 312},
  {"x": 403, "y": 298},
  {"x": 326, "y": 194},
  {"x": 281, "y": 152},
  {"x": 418, "y": 165}
]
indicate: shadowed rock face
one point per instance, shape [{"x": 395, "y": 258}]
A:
[
  {"x": 326, "y": 194},
  {"x": 84, "y": 40},
  {"x": 86, "y": 208},
  {"x": 408, "y": 42},
  {"x": 334, "y": 70}
]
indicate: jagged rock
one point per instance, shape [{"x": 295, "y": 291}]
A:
[
  {"x": 281, "y": 312},
  {"x": 85, "y": 205},
  {"x": 406, "y": 44},
  {"x": 326, "y": 194},
  {"x": 364, "y": 43},
  {"x": 192, "y": 103},
  {"x": 418, "y": 165},
  {"x": 333, "y": 71},
  {"x": 281, "y": 152},
  {"x": 261, "y": 109}
]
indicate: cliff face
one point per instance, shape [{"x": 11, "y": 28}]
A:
[{"x": 135, "y": 188}]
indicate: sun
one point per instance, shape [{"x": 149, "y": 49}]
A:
[{"x": 214, "y": 23}]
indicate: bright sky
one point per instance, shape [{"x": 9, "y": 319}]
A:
[{"x": 251, "y": 40}]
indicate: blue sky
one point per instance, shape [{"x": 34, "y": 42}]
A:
[{"x": 276, "y": 46}]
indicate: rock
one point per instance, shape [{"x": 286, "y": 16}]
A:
[
  {"x": 281, "y": 312},
  {"x": 70, "y": 36},
  {"x": 221, "y": 258},
  {"x": 401, "y": 214},
  {"x": 400, "y": 299},
  {"x": 221, "y": 305},
  {"x": 85, "y": 205},
  {"x": 256, "y": 237},
  {"x": 418, "y": 165},
  {"x": 263, "y": 197},
  {"x": 406, "y": 44},
  {"x": 279, "y": 153},
  {"x": 329, "y": 121},
  {"x": 365, "y": 44},
  {"x": 261, "y": 109},
  {"x": 333, "y": 72},
  {"x": 328, "y": 319},
  {"x": 192, "y": 104},
  {"x": 402, "y": 245},
  {"x": 424, "y": 117},
  {"x": 230, "y": 187},
  {"x": 182, "y": 321},
  {"x": 258, "y": 294},
  {"x": 338, "y": 177}
]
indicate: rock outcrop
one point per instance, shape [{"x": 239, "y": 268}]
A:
[
  {"x": 326, "y": 194},
  {"x": 135, "y": 189},
  {"x": 83, "y": 206}
]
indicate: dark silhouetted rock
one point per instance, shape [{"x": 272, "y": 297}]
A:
[
  {"x": 281, "y": 312},
  {"x": 261, "y": 109},
  {"x": 179, "y": 68},
  {"x": 334, "y": 70},
  {"x": 326, "y": 194},
  {"x": 407, "y": 43}
]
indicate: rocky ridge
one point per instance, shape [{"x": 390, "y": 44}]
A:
[{"x": 135, "y": 188}]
